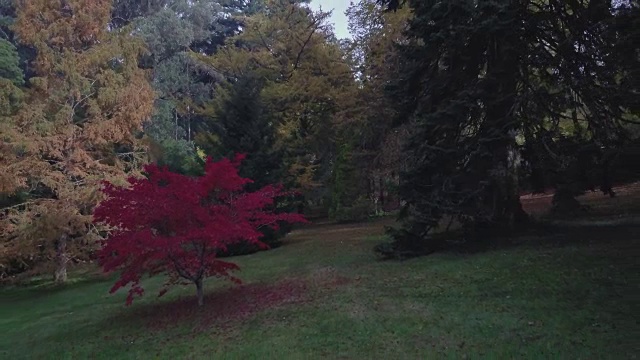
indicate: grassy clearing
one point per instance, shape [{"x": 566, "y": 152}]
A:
[{"x": 567, "y": 293}]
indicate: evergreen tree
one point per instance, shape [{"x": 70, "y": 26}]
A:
[
  {"x": 174, "y": 30},
  {"x": 9, "y": 63},
  {"x": 483, "y": 77},
  {"x": 240, "y": 126},
  {"x": 10, "y": 46},
  {"x": 303, "y": 75}
]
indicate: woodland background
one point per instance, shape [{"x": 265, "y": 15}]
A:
[
  {"x": 499, "y": 137},
  {"x": 445, "y": 112}
]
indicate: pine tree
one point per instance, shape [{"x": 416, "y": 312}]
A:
[
  {"x": 241, "y": 126},
  {"x": 304, "y": 77},
  {"x": 479, "y": 76},
  {"x": 10, "y": 63}
]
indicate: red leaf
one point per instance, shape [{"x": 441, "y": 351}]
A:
[{"x": 174, "y": 224}]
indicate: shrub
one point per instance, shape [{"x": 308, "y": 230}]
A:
[
  {"x": 178, "y": 225},
  {"x": 359, "y": 211}
]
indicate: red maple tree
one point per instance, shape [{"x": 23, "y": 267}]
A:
[{"x": 174, "y": 224}]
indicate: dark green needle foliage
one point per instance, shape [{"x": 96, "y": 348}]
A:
[{"x": 484, "y": 79}]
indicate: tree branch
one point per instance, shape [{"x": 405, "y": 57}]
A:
[
  {"x": 181, "y": 271},
  {"x": 315, "y": 25}
]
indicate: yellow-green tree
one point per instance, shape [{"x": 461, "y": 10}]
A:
[
  {"x": 366, "y": 125},
  {"x": 294, "y": 56},
  {"x": 76, "y": 126}
]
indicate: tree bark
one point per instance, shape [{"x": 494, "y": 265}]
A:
[
  {"x": 199, "y": 292},
  {"x": 381, "y": 184},
  {"x": 60, "y": 274},
  {"x": 502, "y": 73},
  {"x": 564, "y": 202},
  {"x": 513, "y": 212},
  {"x": 507, "y": 212}
]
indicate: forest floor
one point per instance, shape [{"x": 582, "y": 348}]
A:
[{"x": 566, "y": 290}]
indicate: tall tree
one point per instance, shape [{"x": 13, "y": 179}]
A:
[
  {"x": 10, "y": 63},
  {"x": 290, "y": 50},
  {"x": 77, "y": 127},
  {"x": 241, "y": 126},
  {"x": 169, "y": 33},
  {"x": 367, "y": 123},
  {"x": 172, "y": 29},
  {"x": 480, "y": 74}
]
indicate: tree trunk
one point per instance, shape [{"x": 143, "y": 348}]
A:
[
  {"x": 381, "y": 184},
  {"x": 513, "y": 213},
  {"x": 564, "y": 202},
  {"x": 175, "y": 116},
  {"x": 200, "y": 292},
  {"x": 502, "y": 73},
  {"x": 60, "y": 274},
  {"x": 188, "y": 123},
  {"x": 507, "y": 212}
]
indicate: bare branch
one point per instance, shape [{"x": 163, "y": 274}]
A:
[{"x": 315, "y": 25}]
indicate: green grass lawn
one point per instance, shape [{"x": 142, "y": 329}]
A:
[{"x": 570, "y": 294}]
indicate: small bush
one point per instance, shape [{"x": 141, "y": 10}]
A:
[
  {"x": 178, "y": 225},
  {"x": 272, "y": 238}
]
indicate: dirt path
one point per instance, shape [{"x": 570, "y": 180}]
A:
[
  {"x": 626, "y": 204},
  {"x": 627, "y": 201},
  {"x": 339, "y": 232}
]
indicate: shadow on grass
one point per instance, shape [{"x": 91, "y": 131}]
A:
[
  {"x": 221, "y": 309},
  {"x": 43, "y": 286},
  {"x": 555, "y": 235},
  {"x": 535, "y": 234}
]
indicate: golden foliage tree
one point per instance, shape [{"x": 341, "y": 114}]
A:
[
  {"x": 367, "y": 121},
  {"x": 76, "y": 127},
  {"x": 373, "y": 51},
  {"x": 305, "y": 76}
]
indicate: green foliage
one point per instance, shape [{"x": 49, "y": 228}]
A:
[
  {"x": 175, "y": 28},
  {"x": 9, "y": 63},
  {"x": 11, "y": 98},
  {"x": 26, "y": 53},
  {"x": 180, "y": 156},
  {"x": 360, "y": 210},
  {"x": 366, "y": 119},
  {"x": 348, "y": 200},
  {"x": 572, "y": 300},
  {"x": 304, "y": 79},
  {"x": 169, "y": 29},
  {"x": 241, "y": 125},
  {"x": 477, "y": 76}
]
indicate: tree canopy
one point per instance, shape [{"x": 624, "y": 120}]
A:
[
  {"x": 439, "y": 111},
  {"x": 483, "y": 80},
  {"x": 174, "y": 224},
  {"x": 75, "y": 127}
]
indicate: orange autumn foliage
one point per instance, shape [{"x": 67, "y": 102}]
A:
[{"x": 76, "y": 127}]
